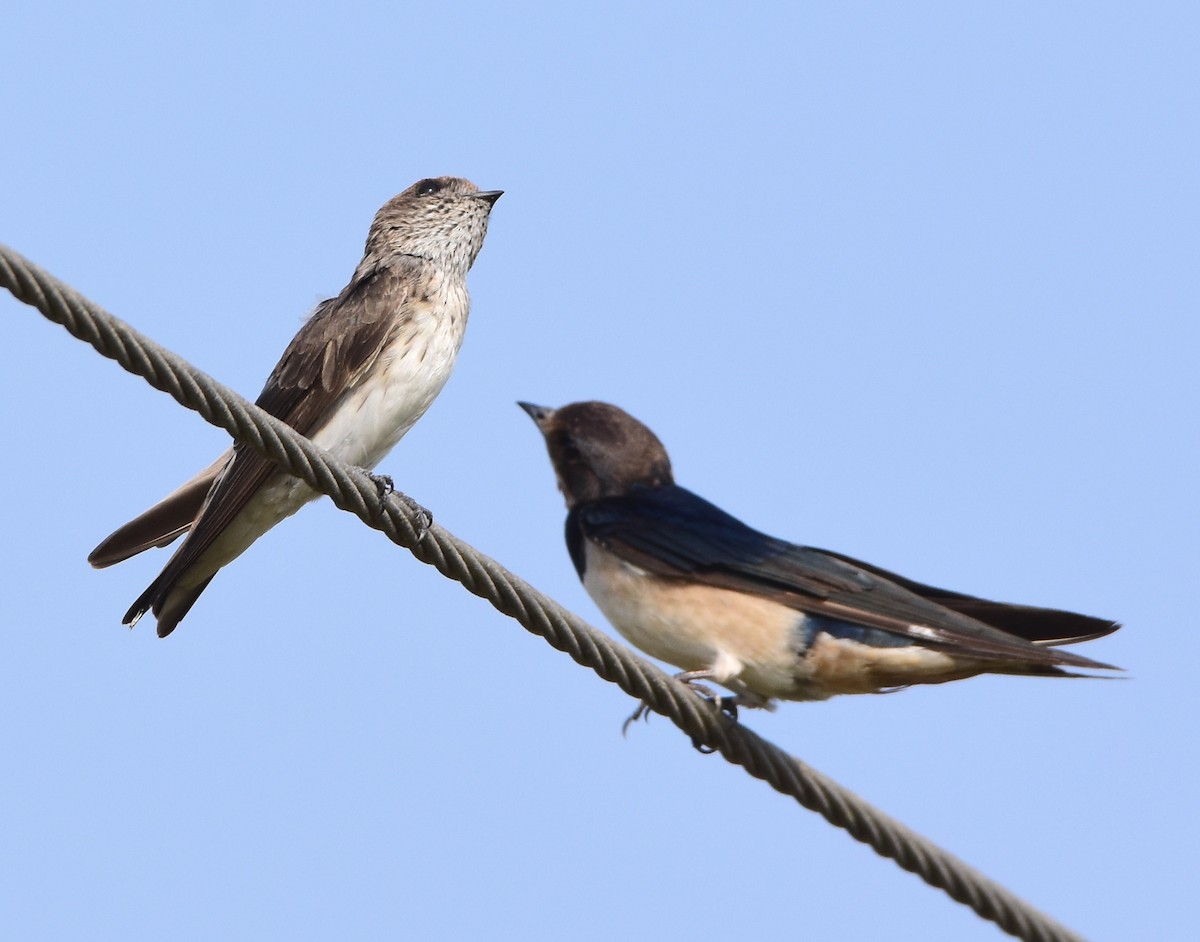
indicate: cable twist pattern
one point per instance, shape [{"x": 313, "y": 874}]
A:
[{"x": 353, "y": 490}]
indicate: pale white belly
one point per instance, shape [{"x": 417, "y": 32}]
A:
[
  {"x": 377, "y": 413},
  {"x": 371, "y": 418}
]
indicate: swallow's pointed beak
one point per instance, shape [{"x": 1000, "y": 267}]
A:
[{"x": 540, "y": 414}]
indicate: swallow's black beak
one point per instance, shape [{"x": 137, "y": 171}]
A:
[
  {"x": 539, "y": 414},
  {"x": 490, "y": 195}
]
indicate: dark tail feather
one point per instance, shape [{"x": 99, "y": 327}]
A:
[
  {"x": 168, "y": 604},
  {"x": 141, "y": 606},
  {"x": 1041, "y": 670},
  {"x": 172, "y": 609}
]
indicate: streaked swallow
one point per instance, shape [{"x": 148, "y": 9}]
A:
[
  {"x": 354, "y": 379},
  {"x": 695, "y": 587}
]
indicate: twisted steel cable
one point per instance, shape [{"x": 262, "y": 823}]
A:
[{"x": 404, "y": 523}]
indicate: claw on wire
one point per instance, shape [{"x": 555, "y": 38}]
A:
[
  {"x": 387, "y": 487},
  {"x": 727, "y": 706}
]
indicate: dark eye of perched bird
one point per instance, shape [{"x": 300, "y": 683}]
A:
[
  {"x": 569, "y": 450},
  {"x": 428, "y": 187}
]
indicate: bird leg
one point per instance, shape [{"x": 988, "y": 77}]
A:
[
  {"x": 641, "y": 713},
  {"x": 386, "y": 487},
  {"x": 692, "y": 679},
  {"x": 424, "y": 518}
]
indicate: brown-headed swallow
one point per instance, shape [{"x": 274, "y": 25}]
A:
[
  {"x": 695, "y": 587},
  {"x": 357, "y": 376}
]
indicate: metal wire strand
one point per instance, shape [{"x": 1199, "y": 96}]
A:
[{"x": 353, "y": 490}]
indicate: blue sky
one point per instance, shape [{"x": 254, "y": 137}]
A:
[{"x": 916, "y": 283}]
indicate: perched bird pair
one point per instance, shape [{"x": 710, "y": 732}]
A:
[{"x": 679, "y": 578}]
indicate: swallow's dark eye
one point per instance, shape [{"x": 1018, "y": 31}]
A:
[{"x": 429, "y": 187}]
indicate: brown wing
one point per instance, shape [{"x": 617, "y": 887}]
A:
[
  {"x": 329, "y": 355},
  {"x": 163, "y": 522}
]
